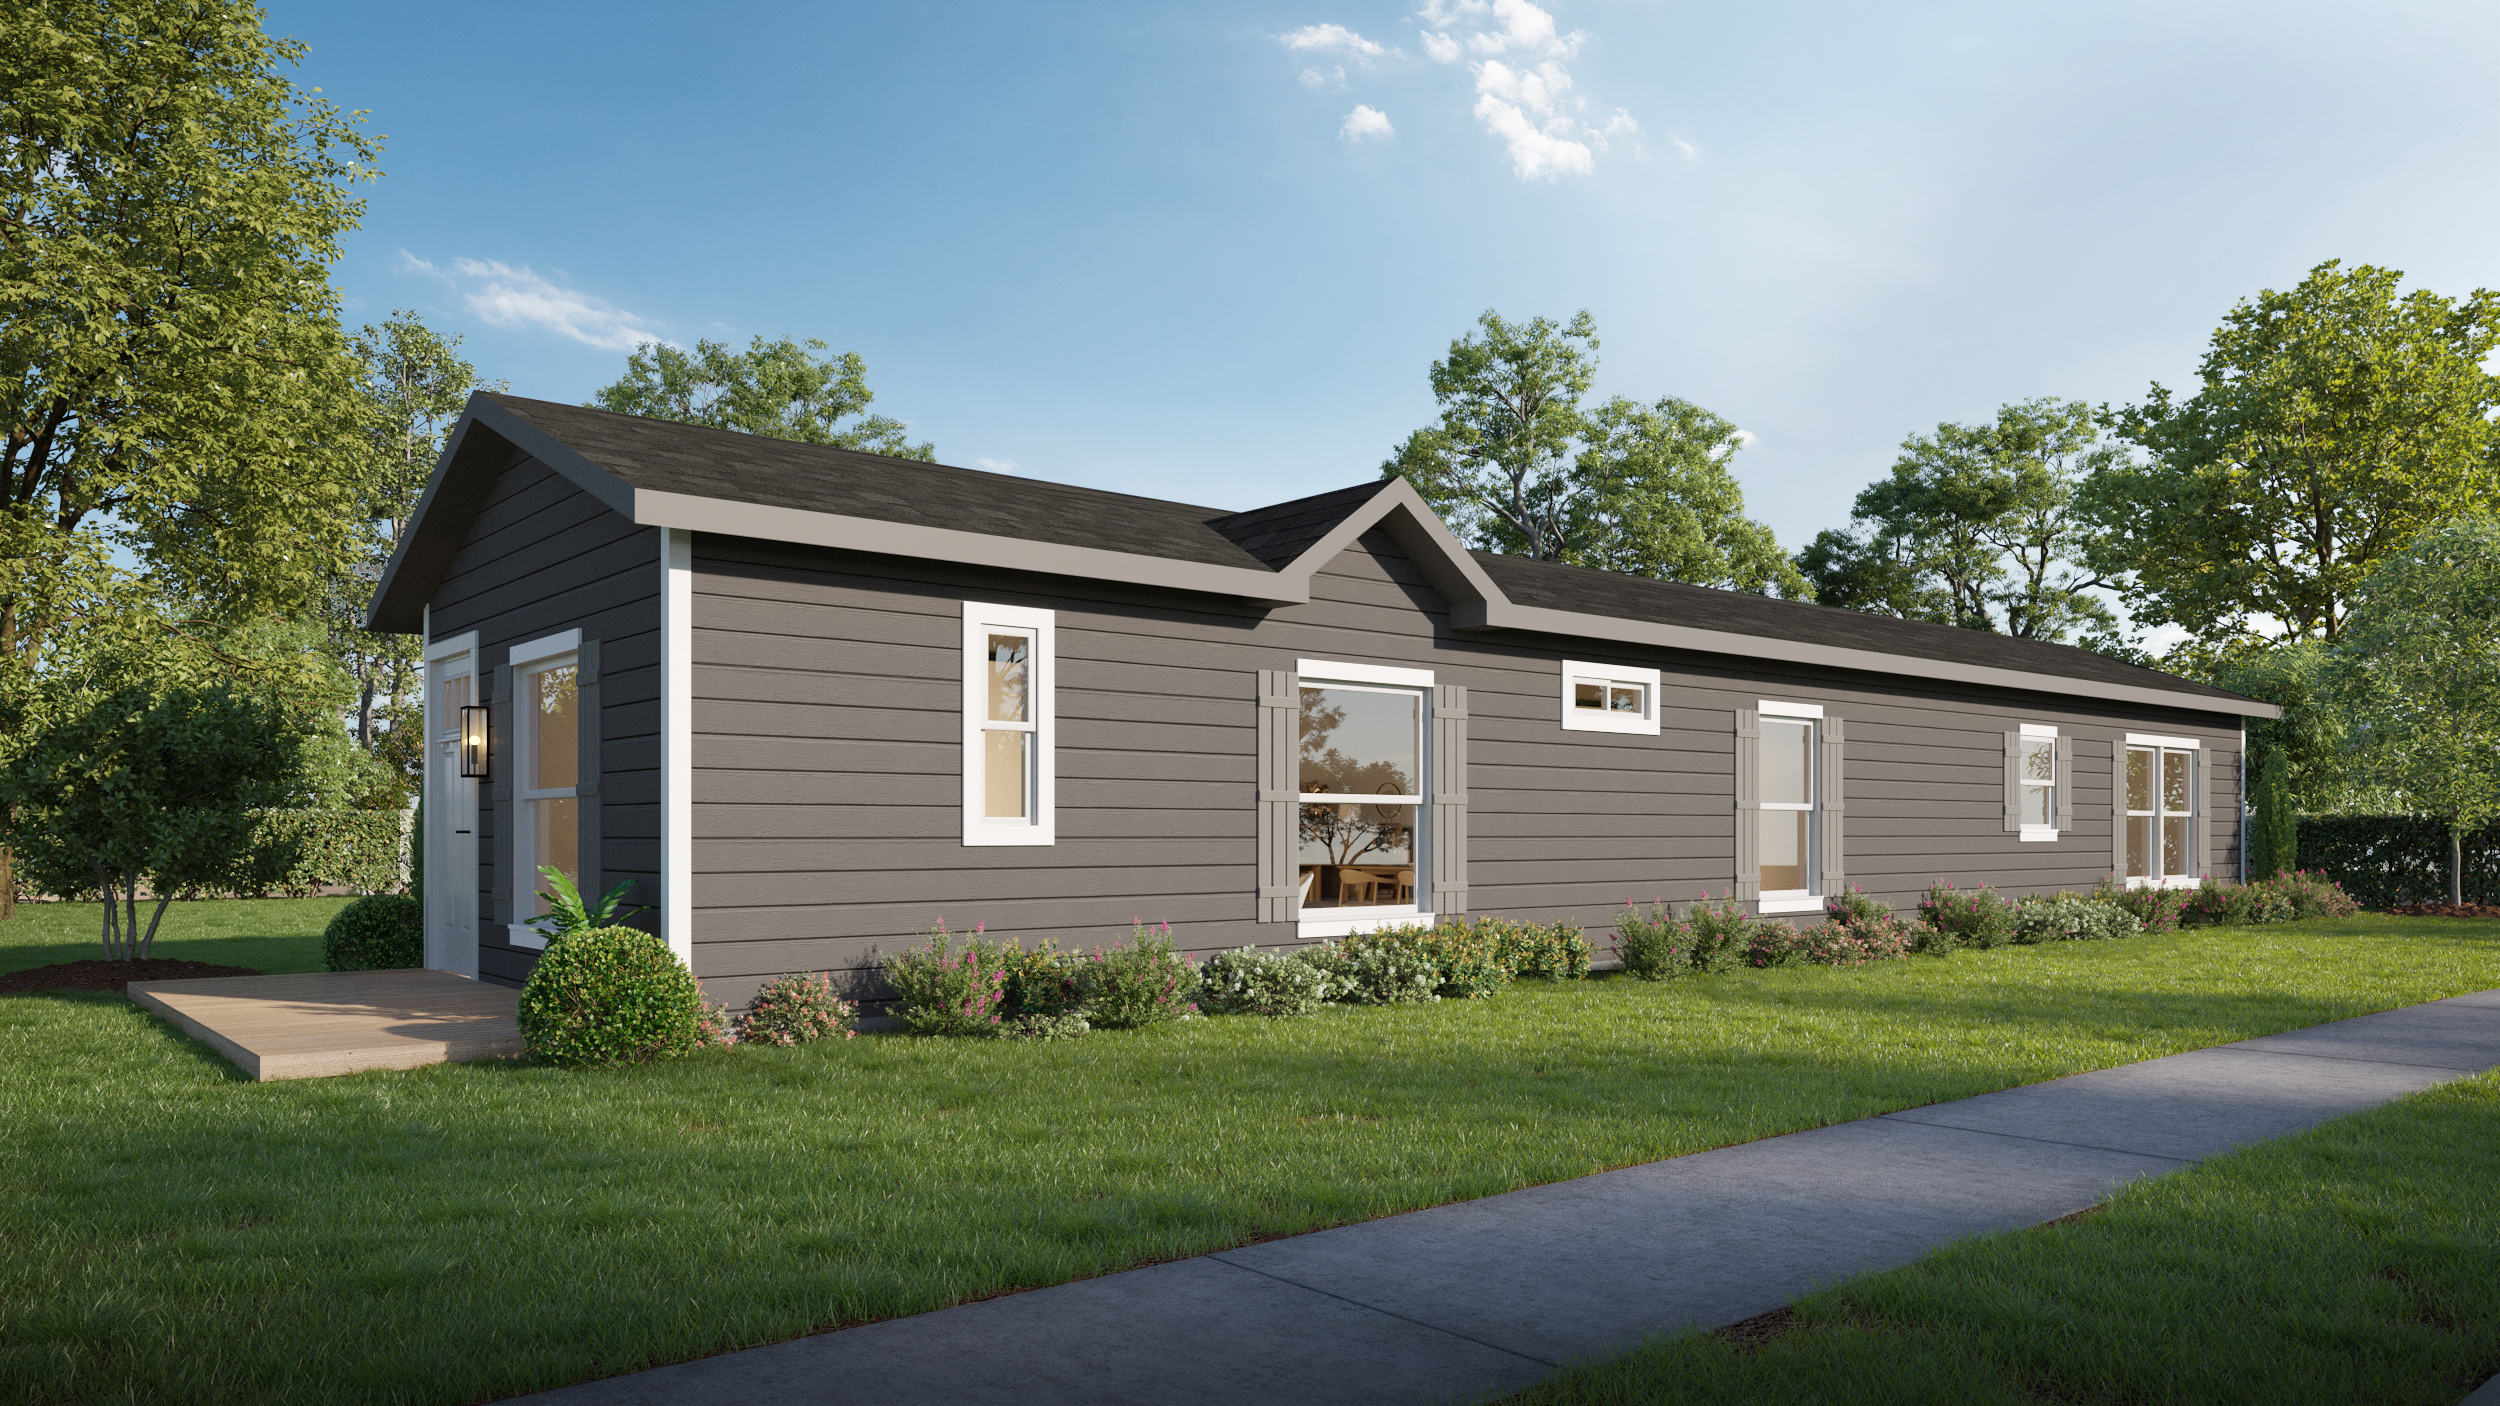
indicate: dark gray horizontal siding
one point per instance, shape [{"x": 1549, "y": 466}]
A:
[{"x": 829, "y": 744}]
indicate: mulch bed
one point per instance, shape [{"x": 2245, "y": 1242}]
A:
[
  {"x": 1759, "y": 1329},
  {"x": 2446, "y": 910},
  {"x": 94, "y": 975}
]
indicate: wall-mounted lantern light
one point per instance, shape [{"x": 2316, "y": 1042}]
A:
[{"x": 473, "y": 750}]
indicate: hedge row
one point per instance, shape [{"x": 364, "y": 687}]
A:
[
  {"x": 362, "y": 850},
  {"x": 2382, "y": 860}
]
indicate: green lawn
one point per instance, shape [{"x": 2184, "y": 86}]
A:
[
  {"x": 460, "y": 1232},
  {"x": 2350, "y": 1263},
  {"x": 265, "y": 934}
]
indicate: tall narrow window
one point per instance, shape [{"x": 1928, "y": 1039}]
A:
[
  {"x": 2035, "y": 781},
  {"x": 1785, "y": 849},
  {"x": 549, "y": 708},
  {"x": 1009, "y": 775},
  {"x": 1362, "y": 791},
  {"x": 2160, "y": 787}
]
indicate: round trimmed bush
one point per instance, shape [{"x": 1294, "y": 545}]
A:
[
  {"x": 610, "y": 996},
  {"x": 378, "y": 933}
]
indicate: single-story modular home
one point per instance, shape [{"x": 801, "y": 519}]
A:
[{"x": 812, "y": 702}]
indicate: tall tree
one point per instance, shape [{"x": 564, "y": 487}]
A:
[
  {"x": 2334, "y": 423},
  {"x": 2417, "y": 663},
  {"x": 174, "y": 389},
  {"x": 1977, "y": 526},
  {"x": 1517, "y": 465},
  {"x": 775, "y": 389}
]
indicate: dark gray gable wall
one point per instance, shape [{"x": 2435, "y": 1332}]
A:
[
  {"x": 828, "y": 754},
  {"x": 543, "y": 557}
]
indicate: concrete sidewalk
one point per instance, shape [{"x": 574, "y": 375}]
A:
[{"x": 1457, "y": 1301}]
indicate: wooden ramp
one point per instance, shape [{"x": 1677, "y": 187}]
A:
[{"x": 321, "y": 1023}]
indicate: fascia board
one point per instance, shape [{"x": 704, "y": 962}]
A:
[
  {"x": 613, "y": 492},
  {"x": 1502, "y": 615},
  {"x": 856, "y": 534},
  {"x": 1419, "y": 532}
]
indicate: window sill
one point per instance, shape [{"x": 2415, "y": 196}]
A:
[
  {"x": 523, "y": 935},
  {"x": 2173, "y": 881},
  {"x": 1593, "y": 721},
  {"x": 2035, "y": 834},
  {"x": 1339, "y": 922},
  {"x": 1808, "y": 903}
]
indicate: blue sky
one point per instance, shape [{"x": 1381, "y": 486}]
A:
[{"x": 1207, "y": 252}]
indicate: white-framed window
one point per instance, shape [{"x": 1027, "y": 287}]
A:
[
  {"x": 1609, "y": 698},
  {"x": 2041, "y": 811},
  {"x": 2159, "y": 789},
  {"x": 1363, "y": 797},
  {"x": 1789, "y": 786},
  {"x": 1010, "y": 728},
  {"x": 546, "y": 790}
]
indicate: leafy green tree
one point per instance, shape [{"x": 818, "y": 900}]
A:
[
  {"x": 1517, "y": 465},
  {"x": 2313, "y": 734},
  {"x": 2333, "y": 424},
  {"x": 1977, "y": 526},
  {"x": 775, "y": 389},
  {"x": 154, "y": 787},
  {"x": 2417, "y": 664}
]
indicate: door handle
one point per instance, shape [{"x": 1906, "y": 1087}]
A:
[{"x": 460, "y": 832}]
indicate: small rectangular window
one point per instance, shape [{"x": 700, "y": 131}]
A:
[
  {"x": 1009, "y": 775},
  {"x": 2035, "y": 809},
  {"x": 1609, "y": 698}
]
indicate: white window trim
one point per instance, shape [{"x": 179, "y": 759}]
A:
[
  {"x": 1042, "y": 826},
  {"x": 1577, "y": 719},
  {"x": 2036, "y": 834},
  {"x": 2141, "y": 739},
  {"x": 1337, "y": 671},
  {"x": 2195, "y": 776},
  {"x": 1345, "y": 922},
  {"x": 1773, "y": 708},
  {"x": 1790, "y": 903},
  {"x": 537, "y": 657},
  {"x": 1804, "y": 900}
]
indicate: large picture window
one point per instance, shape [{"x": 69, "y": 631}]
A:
[
  {"x": 1362, "y": 789},
  {"x": 1010, "y": 778},
  {"x": 2159, "y": 789}
]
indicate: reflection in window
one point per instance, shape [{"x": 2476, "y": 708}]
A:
[
  {"x": 2160, "y": 818},
  {"x": 1007, "y": 728},
  {"x": 1362, "y": 782},
  {"x": 552, "y": 716},
  {"x": 2039, "y": 780},
  {"x": 1785, "y": 780}
]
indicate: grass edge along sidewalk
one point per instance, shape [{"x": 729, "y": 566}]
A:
[
  {"x": 2350, "y": 1262},
  {"x": 463, "y": 1232}
]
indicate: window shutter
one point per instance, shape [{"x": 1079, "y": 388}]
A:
[
  {"x": 2060, "y": 807},
  {"x": 1827, "y": 816},
  {"x": 589, "y": 768},
  {"x": 1280, "y": 751},
  {"x": 2118, "y": 808},
  {"x": 2203, "y": 784},
  {"x": 502, "y": 757},
  {"x": 2013, "y": 782},
  {"x": 1449, "y": 800},
  {"x": 1748, "y": 804}
]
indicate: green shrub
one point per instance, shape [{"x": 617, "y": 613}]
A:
[
  {"x": 1251, "y": 982},
  {"x": 379, "y": 933},
  {"x": 1856, "y": 906},
  {"x": 1468, "y": 958},
  {"x": 1537, "y": 951},
  {"x": 2314, "y": 895},
  {"x": 2155, "y": 910},
  {"x": 1979, "y": 918},
  {"x": 2070, "y": 917},
  {"x": 1044, "y": 984},
  {"x": 1365, "y": 971},
  {"x": 941, "y": 991},
  {"x": 1722, "y": 934},
  {"x": 1143, "y": 983},
  {"x": 2215, "y": 904},
  {"x": 1652, "y": 945},
  {"x": 1068, "y": 1025},
  {"x": 794, "y": 1009},
  {"x": 610, "y": 996},
  {"x": 1880, "y": 939}
]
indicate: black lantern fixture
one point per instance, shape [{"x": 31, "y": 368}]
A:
[{"x": 473, "y": 748}]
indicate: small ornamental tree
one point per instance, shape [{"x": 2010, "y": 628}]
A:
[
  {"x": 2418, "y": 666},
  {"x": 139, "y": 787}
]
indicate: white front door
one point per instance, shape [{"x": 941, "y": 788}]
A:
[{"x": 450, "y": 822}]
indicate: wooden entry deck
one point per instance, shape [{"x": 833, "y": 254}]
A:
[{"x": 317, "y": 1024}]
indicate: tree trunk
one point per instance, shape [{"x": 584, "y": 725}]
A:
[
  {"x": 8, "y": 884},
  {"x": 2456, "y": 865}
]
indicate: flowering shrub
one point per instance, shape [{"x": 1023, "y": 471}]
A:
[
  {"x": 1144, "y": 983},
  {"x": 1722, "y": 934},
  {"x": 1252, "y": 982},
  {"x": 1468, "y": 956},
  {"x": 1363, "y": 970},
  {"x": 610, "y": 996},
  {"x": 793, "y": 1009},
  {"x": 2236, "y": 905},
  {"x": 941, "y": 991},
  {"x": 1044, "y": 983},
  {"x": 1958, "y": 918},
  {"x": 2313, "y": 894},
  {"x": 1068, "y": 1026},
  {"x": 1538, "y": 951},
  {"x": 1856, "y": 906},
  {"x": 2071, "y": 917},
  {"x": 2154, "y": 910},
  {"x": 1652, "y": 945},
  {"x": 1882, "y": 939}
]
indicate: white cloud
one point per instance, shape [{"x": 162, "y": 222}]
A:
[
  {"x": 1441, "y": 48},
  {"x": 1691, "y": 152},
  {"x": 1365, "y": 122},
  {"x": 1330, "y": 39},
  {"x": 1525, "y": 98},
  {"x": 520, "y": 297},
  {"x": 1318, "y": 78},
  {"x": 1747, "y": 439}
]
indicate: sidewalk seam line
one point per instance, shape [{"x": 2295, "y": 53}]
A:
[
  {"x": 2027, "y": 1137},
  {"x": 1218, "y": 1257},
  {"x": 2348, "y": 1059}
]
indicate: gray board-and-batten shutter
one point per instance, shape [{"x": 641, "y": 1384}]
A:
[
  {"x": 1828, "y": 816},
  {"x": 1449, "y": 800},
  {"x": 588, "y": 766},
  {"x": 1748, "y": 804},
  {"x": 2013, "y": 782},
  {"x": 2118, "y": 807},
  {"x": 1280, "y": 789},
  {"x": 2061, "y": 799},
  {"x": 2205, "y": 784},
  {"x": 501, "y": 760}
]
